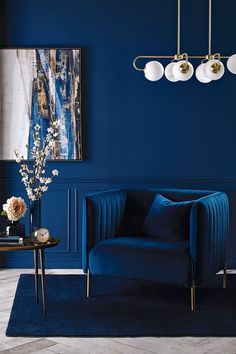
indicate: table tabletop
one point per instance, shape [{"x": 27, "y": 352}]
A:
[{"x": 30, "y": 243}]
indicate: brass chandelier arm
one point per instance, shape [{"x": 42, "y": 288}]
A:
[
  {"x": 169, "y": 57},
  {"x": 150, "y": 57}
]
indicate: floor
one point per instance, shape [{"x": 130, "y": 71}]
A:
[{"x": 141, "y": 345}]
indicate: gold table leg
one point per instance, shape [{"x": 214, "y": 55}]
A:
[
  {"x": 36, "y": 275},
  {"x": 43, "y": 281}
]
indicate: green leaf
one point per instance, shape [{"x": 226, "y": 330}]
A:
[{"x": 4, "y": 213}]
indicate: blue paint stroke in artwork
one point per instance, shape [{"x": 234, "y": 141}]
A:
[
  {"x": 68, "y": 110},
  {"x": 61, "y": 95},
  {"x": 56, "y": 96},
  {"x": 34, "y": 117}
]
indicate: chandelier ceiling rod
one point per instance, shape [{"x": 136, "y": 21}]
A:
[
  {"x": 209, "y": 28},
  {"x": 178, "y": 30}
]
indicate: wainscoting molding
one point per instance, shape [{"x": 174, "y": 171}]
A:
[
  {"x": 56, "y": 216},
  {"x": 62, "y": 212}
]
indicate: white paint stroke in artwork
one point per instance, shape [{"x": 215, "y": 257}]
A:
[{"x": 16, "y": 92}]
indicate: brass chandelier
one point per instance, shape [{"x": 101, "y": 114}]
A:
[{"x": 180, "y": 69}]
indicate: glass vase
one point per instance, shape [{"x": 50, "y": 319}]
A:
[{"x": 35, "y": 215}]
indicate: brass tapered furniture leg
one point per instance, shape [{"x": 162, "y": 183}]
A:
[
  {"x": 224, "y": 277},
  {"x": 43, "y": 281},
  {"x": 36, "y": 275},
  {"x": 88, "y": 283},
  {"x": 193, "y": 297}
]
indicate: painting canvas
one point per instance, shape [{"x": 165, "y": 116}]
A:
[{"x": 39, "y": 86}]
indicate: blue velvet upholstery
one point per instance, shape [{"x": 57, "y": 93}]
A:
[
  {"x": 114, "y": 244},
  {"x": 168, "y": 220},
  {"x": 141, "y": 258}
]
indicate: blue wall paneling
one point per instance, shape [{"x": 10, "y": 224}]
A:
[{"x": 136, "y": 133}]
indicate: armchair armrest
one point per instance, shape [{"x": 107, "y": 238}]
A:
[
  {"x": 209, "y": 235},
  {"x": 102, "y": 217}
]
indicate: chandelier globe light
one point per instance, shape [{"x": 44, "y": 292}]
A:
[
  {"x": 231, "y": 64},
  {"x": 200, "y": 74},
  {"x": 183, "y": 70},
  {"x": 180, "y": 69},
  {"x": 169, "y": 72},
  {"x": 153, "y": 70}
]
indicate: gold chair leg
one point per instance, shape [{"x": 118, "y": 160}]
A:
[
  {"x": 88, "y": 283},
  {"x": 193, "y": 297},
  {"x": 224, "y": 277}
]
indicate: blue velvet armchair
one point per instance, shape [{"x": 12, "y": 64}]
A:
[{"x": 133, "y": 234}]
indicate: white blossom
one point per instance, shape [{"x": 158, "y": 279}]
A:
[
  {"x": 48, "y": 180},
  {"x": 35, "y": 180},
  {"x": 44, "y": 188},
  {"x": 55, "y": 172}
]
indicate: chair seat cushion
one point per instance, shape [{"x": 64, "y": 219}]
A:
[
  {"x": 167, "y": 219},
  {"x": 142, "y": 258}
]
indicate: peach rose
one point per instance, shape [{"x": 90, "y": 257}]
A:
[{"x": 15, "y": 208}]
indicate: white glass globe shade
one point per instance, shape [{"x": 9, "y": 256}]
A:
[
  {"x": 200, "y": 74},
  {"x": 209, "y": 69},
  {"x": 169, "y": 72},
  {"x": 178, "y": 70},
  {"x": 153, "y": 70},
  {"x": 231, "y": 64}
]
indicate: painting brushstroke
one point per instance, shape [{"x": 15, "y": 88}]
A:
[{"x": 40, "y": 86}]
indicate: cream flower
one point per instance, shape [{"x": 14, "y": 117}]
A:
[{"x": 15, "y": 208}]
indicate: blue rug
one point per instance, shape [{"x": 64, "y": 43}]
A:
[{"x": 121, "y": 307}]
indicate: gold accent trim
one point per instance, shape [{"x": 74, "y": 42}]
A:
[
  {"x": 178, "y": 57},
  {"x": 215, "y": 68},
  {"x": 184, "y": 68}
]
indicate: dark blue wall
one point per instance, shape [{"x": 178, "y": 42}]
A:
[{"x": 136, "y": 132}]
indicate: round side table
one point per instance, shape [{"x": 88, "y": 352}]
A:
[{"x": 31, "y": 244}]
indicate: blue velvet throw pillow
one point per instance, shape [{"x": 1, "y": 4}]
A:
[{"x": 167, "y": 219}]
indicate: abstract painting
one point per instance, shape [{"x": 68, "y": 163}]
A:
[{"x": 38, "y": 87}]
